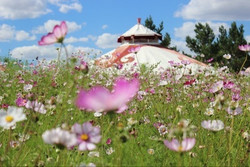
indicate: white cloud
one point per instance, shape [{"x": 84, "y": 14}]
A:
[
  {"x": 187, "y": 29},
  {"x": 73, "y": 40},
  {"x": 104, "y": 26},
  {"x": 65, "y": 6},
  {"x": 6, "y": 32},
  {"x": 22, "y": 9},
  {"x": 74, "y": 6},
  {"x": 23, "y": 35},
  {"x": 49, "y": 25},
  {"x": 93, "y": 38},
  {"x": 107, "y": 40},
  {"x": 47, "y": 52},
  {"x": 215, "y": 10},
  {"x": 248, "y": 38},
  {"x": 181, "y": 45}
]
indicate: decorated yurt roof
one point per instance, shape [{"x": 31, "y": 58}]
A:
[{"x": 139, "y": 31}]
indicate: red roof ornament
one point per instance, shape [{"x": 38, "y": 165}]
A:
[{"x": 139, "y": 20}]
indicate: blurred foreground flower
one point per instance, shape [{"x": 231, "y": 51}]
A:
[
  {"x": 8, "y": 119},
  {"x": 56, "y": 36},
  {"x": 186, "y": 144},
  {"x": 87, "y": 135},
  {"x": 100, "y": 99},
  {"x": 213, "y": 125},
  {"x": 61, "y": 138}
]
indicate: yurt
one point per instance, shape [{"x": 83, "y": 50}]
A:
[{"x": 140, "y": 45}]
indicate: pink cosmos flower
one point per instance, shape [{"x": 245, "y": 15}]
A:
[
  {"x": 245, "y": 48},
  {"x": 216, "y": 87},
  {"x": 87, "y": 135},
  {"x": 56, "y": 36},
  {"x": 100, "y": 99},
  {"x": 228, "y": 85},
  {"x": 20, "y": 102},
  {"x": 186, "y": 144},
  {"x": 134, "y": 49},
  {"x": 210, "y": 60}
]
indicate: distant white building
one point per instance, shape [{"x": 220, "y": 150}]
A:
[{"x": 140, "y": 45}]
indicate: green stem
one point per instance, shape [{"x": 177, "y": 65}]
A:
[
  {"x": 58, "y": 57},
  {"x": 243, "y": 63},
  {"x": 230, "y": 140},
  {"x": 66, "y": 52}
]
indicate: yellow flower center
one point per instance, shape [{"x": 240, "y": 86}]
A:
[
  {"x": 180, "y": 148},
  {"x": 9, "y": 118},
  {"x": 84, "y": 137}
]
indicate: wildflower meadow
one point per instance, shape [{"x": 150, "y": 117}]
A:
[{"x": 74, "y": 113}]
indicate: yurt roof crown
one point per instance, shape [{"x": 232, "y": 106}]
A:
[{"x": 139, "y": 34}]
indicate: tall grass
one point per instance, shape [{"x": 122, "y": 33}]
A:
[{"x": 134, "y": 143}]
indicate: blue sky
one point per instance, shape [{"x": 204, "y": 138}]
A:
[{"x": 95, "y": 25}]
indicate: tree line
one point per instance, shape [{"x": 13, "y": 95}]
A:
[{"x": 207, "y": 46}]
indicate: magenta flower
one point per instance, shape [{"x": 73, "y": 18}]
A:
[
  {"x": 245, "y": 48},
  {"x": 186, "y": 144},
  {"x": 56, "y": 36},
  {"x": 20, "y": 102},
  {"x": 87, "y": 135},
  {"x": 100, "y": 99}
]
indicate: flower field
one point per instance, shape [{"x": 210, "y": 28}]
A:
[{"x": 75, "y": 115}]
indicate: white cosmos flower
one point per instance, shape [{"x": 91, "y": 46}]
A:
[
  {"x": 214, "y": 125},
  {"x": 8, "y": 119},
  {"x": 59, "y": 137},
  {"x": 27, "y": 87},
  {"x": 227, "y": 56}
]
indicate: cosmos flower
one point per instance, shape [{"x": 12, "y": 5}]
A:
[
  {"x": 216, "y": 87},
  {"x": 235, "y": 111},
  {"x": 213, "y": 125},
  {"x": 227, "y": 56},
  {"x": 20, "y": 102},
  {"x": 8, "y": 119},
  {"x": 60, "y": 138},
  {"x": 56, "y": 36},
  {"x": 134, "y": 49},
  {"x": 27, "y": 87},
  {"x": 36, "y": 106},
  {"x": 100, "y": 99},
  {"x": 186, "y": 144},
  {"x": 87, "y": 136},
  {"x": 245, "y": 48}
]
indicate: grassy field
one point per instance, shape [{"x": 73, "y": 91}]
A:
[{"x": 158, "y": 112}]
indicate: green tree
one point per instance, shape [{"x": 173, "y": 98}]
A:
[
  {"x": 203, "y": 43},
  {"x": 229, "y": 44},
  {"x": 166, "y": 39}
]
